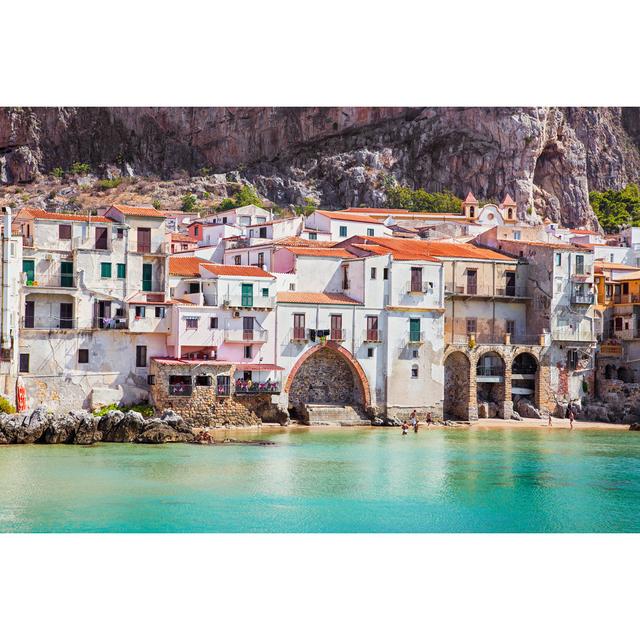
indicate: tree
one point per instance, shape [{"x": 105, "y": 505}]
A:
[
  {"x": 399, "y": 197},
  {"x": 189, "y": 202},
  {"x": 309, "y": 206},
  {"x": 617, "y": 209},
  {"x": 245, "y": 196}
]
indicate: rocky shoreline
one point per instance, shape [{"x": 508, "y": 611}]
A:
[{"x": 81, "y": 427}]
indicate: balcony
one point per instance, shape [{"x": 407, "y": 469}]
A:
[
  {"x": 567, "y": 334},
  {"x": 496, "y": 338},
  {"x": 582, "y": 298},
  {"x": 110, "y": 323},
  {"x": 52, "y": 281},
  {"x": 626, "y": 298},
  {"x": 489, "y": 371},
  {"x": 337, "y": 335},
  {"x": 253, "y": 302},
  {"x": 202, "y": 299},
  {"x": 245, "y": 336},
  {"x": 48, "y": 324},
  {"x": 418, "y": 288},
  {"x": 248, "y": 387},
  {"x": 90, "y": 244},
  {"x": 484, "y": 291},
  {"x": 150, "y": 248},
  {"x": 183, "y": 390},
  {"x": 372, "y": 335},
  {"x": 298, "y": 334}
]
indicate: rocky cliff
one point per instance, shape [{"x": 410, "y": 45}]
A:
[{"x": 548, "y": 158}]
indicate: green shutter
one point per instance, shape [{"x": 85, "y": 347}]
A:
[
  {"x": 265, "y": 292},
  {"x": 105, "y": 269},
  {"x": 66, "y": 274},
  {"x": 414, "y": 329},
  {"x": 122, "y": 270},
  {"x": 247, "y": 295},
  {"x": 147, "y": 277},
  {"x": 29, "y": 267}
]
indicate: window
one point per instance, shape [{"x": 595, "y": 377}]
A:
[
  {"x": 372, "y": 329},
  {"x": 336, "y": 327},
  {"x": 261, "y": 260},
  {"x": 141, "y": 356},
  {"x": 144, "y": 240},
  {"x": 472, "y": 282},
  {"x": 611, "y": 257},
  {"x": 105, "y": 269},
  {"x": 373, "y": 273},
  {"x": 265, "y": 292},
  {"x": 237, "y": 260},
  {"x": 140, "y": 311},
  {"x": 262, "y": 232},
  {"x": 313, "y": 235},
  {"x": 248, "y": 351},
  {"x": 292, "y": 286},
  {"x": 572, "y": 358},
  {"x": 213, "y": 322},
  {"x": 120, "y": 233},
  {"x": 370, "y": 352},
  {"x": 415, "y": 353},
  {"x": 83, "y": 356},
  {"x": 416, "y": 278},
  {"x": 517, "y": 235},
  {"x": 472, "y": 325},
  {"x": 101, "y": 238},
  {"x": 510, "y": 213},
  {"x": 64, "y": 232},
  {"x": 161, "y": 312},
  {"x": 298, "y": 326},
  {"x": 121, "y": 270},
  {"x": 414, "y": 329},
  {"x": 385, "y": 274},
  {"x": 194, "y": 287},
  {"x": 343, "y": 231},
  {"x": 345, "y": 276},
  {"x": 618, "y": 323},
  {"x": 579, "y": 265},
  {"x": 558, "y": 259},
  {"x": 191, "y": 323},
  {"x": 196, "y": 231},
  {"x": 370, "y": 231},
  {"x": 414, "y": 371},
  {"x": 511, "y": 327},
  {"x": 204, "y": 381},
  {"x": 151, "y": 379},
  {"x": 24, "y": 363}
]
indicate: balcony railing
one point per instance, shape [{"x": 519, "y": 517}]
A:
[
  {"x": 626, "y": 298},
  {"x": 59, "y": 281},
  {"x": 489, "y": 371},
  {"x": 110, "y": 323},
  {"x": 418, "y": 287},
  {"x": 149, "y": 248},
  {"x": 263, "y": 302},
  {"x": 487, "y": 291},
  {"x": 223, "y": 389},
  {"x": 298, "y": 334},
  {"x": 249, "y": 387},
  {"x": 337, "y": 335},
  {"x": 90, "y": 244},
  {"x": 416, "y": 337},
  {"x": 184, "y": 390},
  {"x": 47, "y": 324},
  {"x": 573, "y": 335},
  {"x": 245, "y": 335},
  {"x": 582, "y": 298},
  {"x": 372, "y": 335},
  {"x": 496, "y": 338}
]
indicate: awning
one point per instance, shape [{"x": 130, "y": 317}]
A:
[{"x": 248, "y": 366}]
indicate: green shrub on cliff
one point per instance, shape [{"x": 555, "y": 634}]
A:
[
  {"x": 399, "y": 197},
  {"x": 617, "y": 209},
  {"x": 242, "y": 198},
  {"x": 189, "y": 202},
  {"x": 6, "y": 406},
  {"x": 80, "y": 168}
]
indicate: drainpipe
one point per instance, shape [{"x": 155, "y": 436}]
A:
[{"x": 6, "y": 246}]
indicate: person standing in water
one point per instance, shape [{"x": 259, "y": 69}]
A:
[
  {"x": 414, "y": 421},
  {"x": 571, "y": 416},
  {"x": 429, "y": 419},
  {"x": 405, "y": 428}
]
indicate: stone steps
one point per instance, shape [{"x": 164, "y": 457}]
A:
[{"x": 343, "y": 415}]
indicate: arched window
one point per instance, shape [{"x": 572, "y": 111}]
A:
[
  {"x": 472, "y": 210},
  {"x": 414, "y": 371},
  {"x": 510, "y": 213}
]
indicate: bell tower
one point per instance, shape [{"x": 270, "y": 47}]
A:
[
  {"x": 470, "y": 207},
  {"x": 509, "y": 209}
]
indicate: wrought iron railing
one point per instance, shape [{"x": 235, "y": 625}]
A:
[{"x": 179, "y": 389}]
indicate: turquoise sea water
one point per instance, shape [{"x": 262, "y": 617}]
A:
[{"x": 369, "y": 480}]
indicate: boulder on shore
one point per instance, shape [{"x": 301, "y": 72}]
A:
[{"x": 159, "y": 434}]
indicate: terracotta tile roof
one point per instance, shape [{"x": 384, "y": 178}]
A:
[
  {"x": 549, "y": 245},
  {"x": 586, "y": 232},
  {"x": 346, "y": 215},
  {"x": 400, "y": 248},
  {"x": 614, "y": 266},
  {"x": 181, "y": 237},
  {"x": 470, "y": 199},
  {"x": 632, "y": 275},
  {"x": 320, "y": 252},
  {"x": 397, "y": 254},
  {"x": 271, "y": 222},
  {"x": 186, "y": 265},
  {"x": 297, "y": 241},
  {"x": 148, "y": 212},
  {"x": 303, "y": 297},
  {"x": 236, "y": 270},
  {"x": 374, "y": 210},
  {"x": 462, "y": 250},
  {"x": 41, "y": 214}
]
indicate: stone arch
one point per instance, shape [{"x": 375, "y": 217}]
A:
[
  {"x": 525, "y": 381},
  {"x": 610, "y": 372},
  {"x": 335, "y": 358},
  {"x": 457, "y": 385},
  {"x": 626, "y": 374}
]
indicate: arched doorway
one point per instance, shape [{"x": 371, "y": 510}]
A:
[
  {"x": 524, "y": 380},
  {"x": 329, "y": 375},
  {"x": 456, "y": 386},
  {"x": 610, "y": 372},
  {"x": 625, "y": 374},
  {"x": 490, "y": 383}
]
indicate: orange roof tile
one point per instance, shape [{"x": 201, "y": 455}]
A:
[
  {"x": 236, "y": 270},
  {"x": 462, "y": 250},
  {"x": 346, "y": 215},
  {"x": 613, "y": 266},
  {"x": 297, "y": 241},
  {"x": 148, "y": 212},
  {"x": 374, "y": 210},
  {"x": 586, "y": 232},
  {"x": 41, "y": 214},
  {"x": 186, "y": 265},
  {"x": 549, "y": 245},
  {"x": 320, "y": 252},
  {"x": 181, "y": 237},
  {"x": 302, "y": 297}
]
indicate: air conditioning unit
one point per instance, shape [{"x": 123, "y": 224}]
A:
[{"x": 236, "y": 314}]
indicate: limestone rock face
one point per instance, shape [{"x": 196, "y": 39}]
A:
[
  {"x": 161, "y": 433},
  {"x": 547, "y": 158}
]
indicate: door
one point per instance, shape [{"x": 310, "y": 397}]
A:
[
  {"x": 247, "y": 328},
  {"x": 510, "y": 283},
  {"x": 144, "y": 240},
  {"x": 336, "y": 327},
  {"x": 29, "y": 314},
  {"x": 66, "y": 274},
  {"x": 298, "y": 326},
  {"x": 66, "y": 315},
  {"x": 247, "y": 295},
  {"x": 416, "y": 279},
  {"x": 104, "y": 314},
  {"x": 414, "y": 329},
  {"x": 101, "y": 237},
  {"x": 372, "y": 328},
  {"x": 29, "y": 268},
  {"x": 472, "y": 281},
  {"x": 147, "y": 277}
]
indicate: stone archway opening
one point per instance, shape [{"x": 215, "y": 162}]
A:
[
  {"x": 610, "y": 372},
  {"x": 330, "y": 378},
  {"x": 456, "y": 386},
  {"x": 626, "y": 375},
  {"x": 524, "y": 383},
  {"x": 490, "y": 387}
]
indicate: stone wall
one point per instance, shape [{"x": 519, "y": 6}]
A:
[
  {"x": 262, "y": 405},
  {"x": 204, "y": 407}
]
